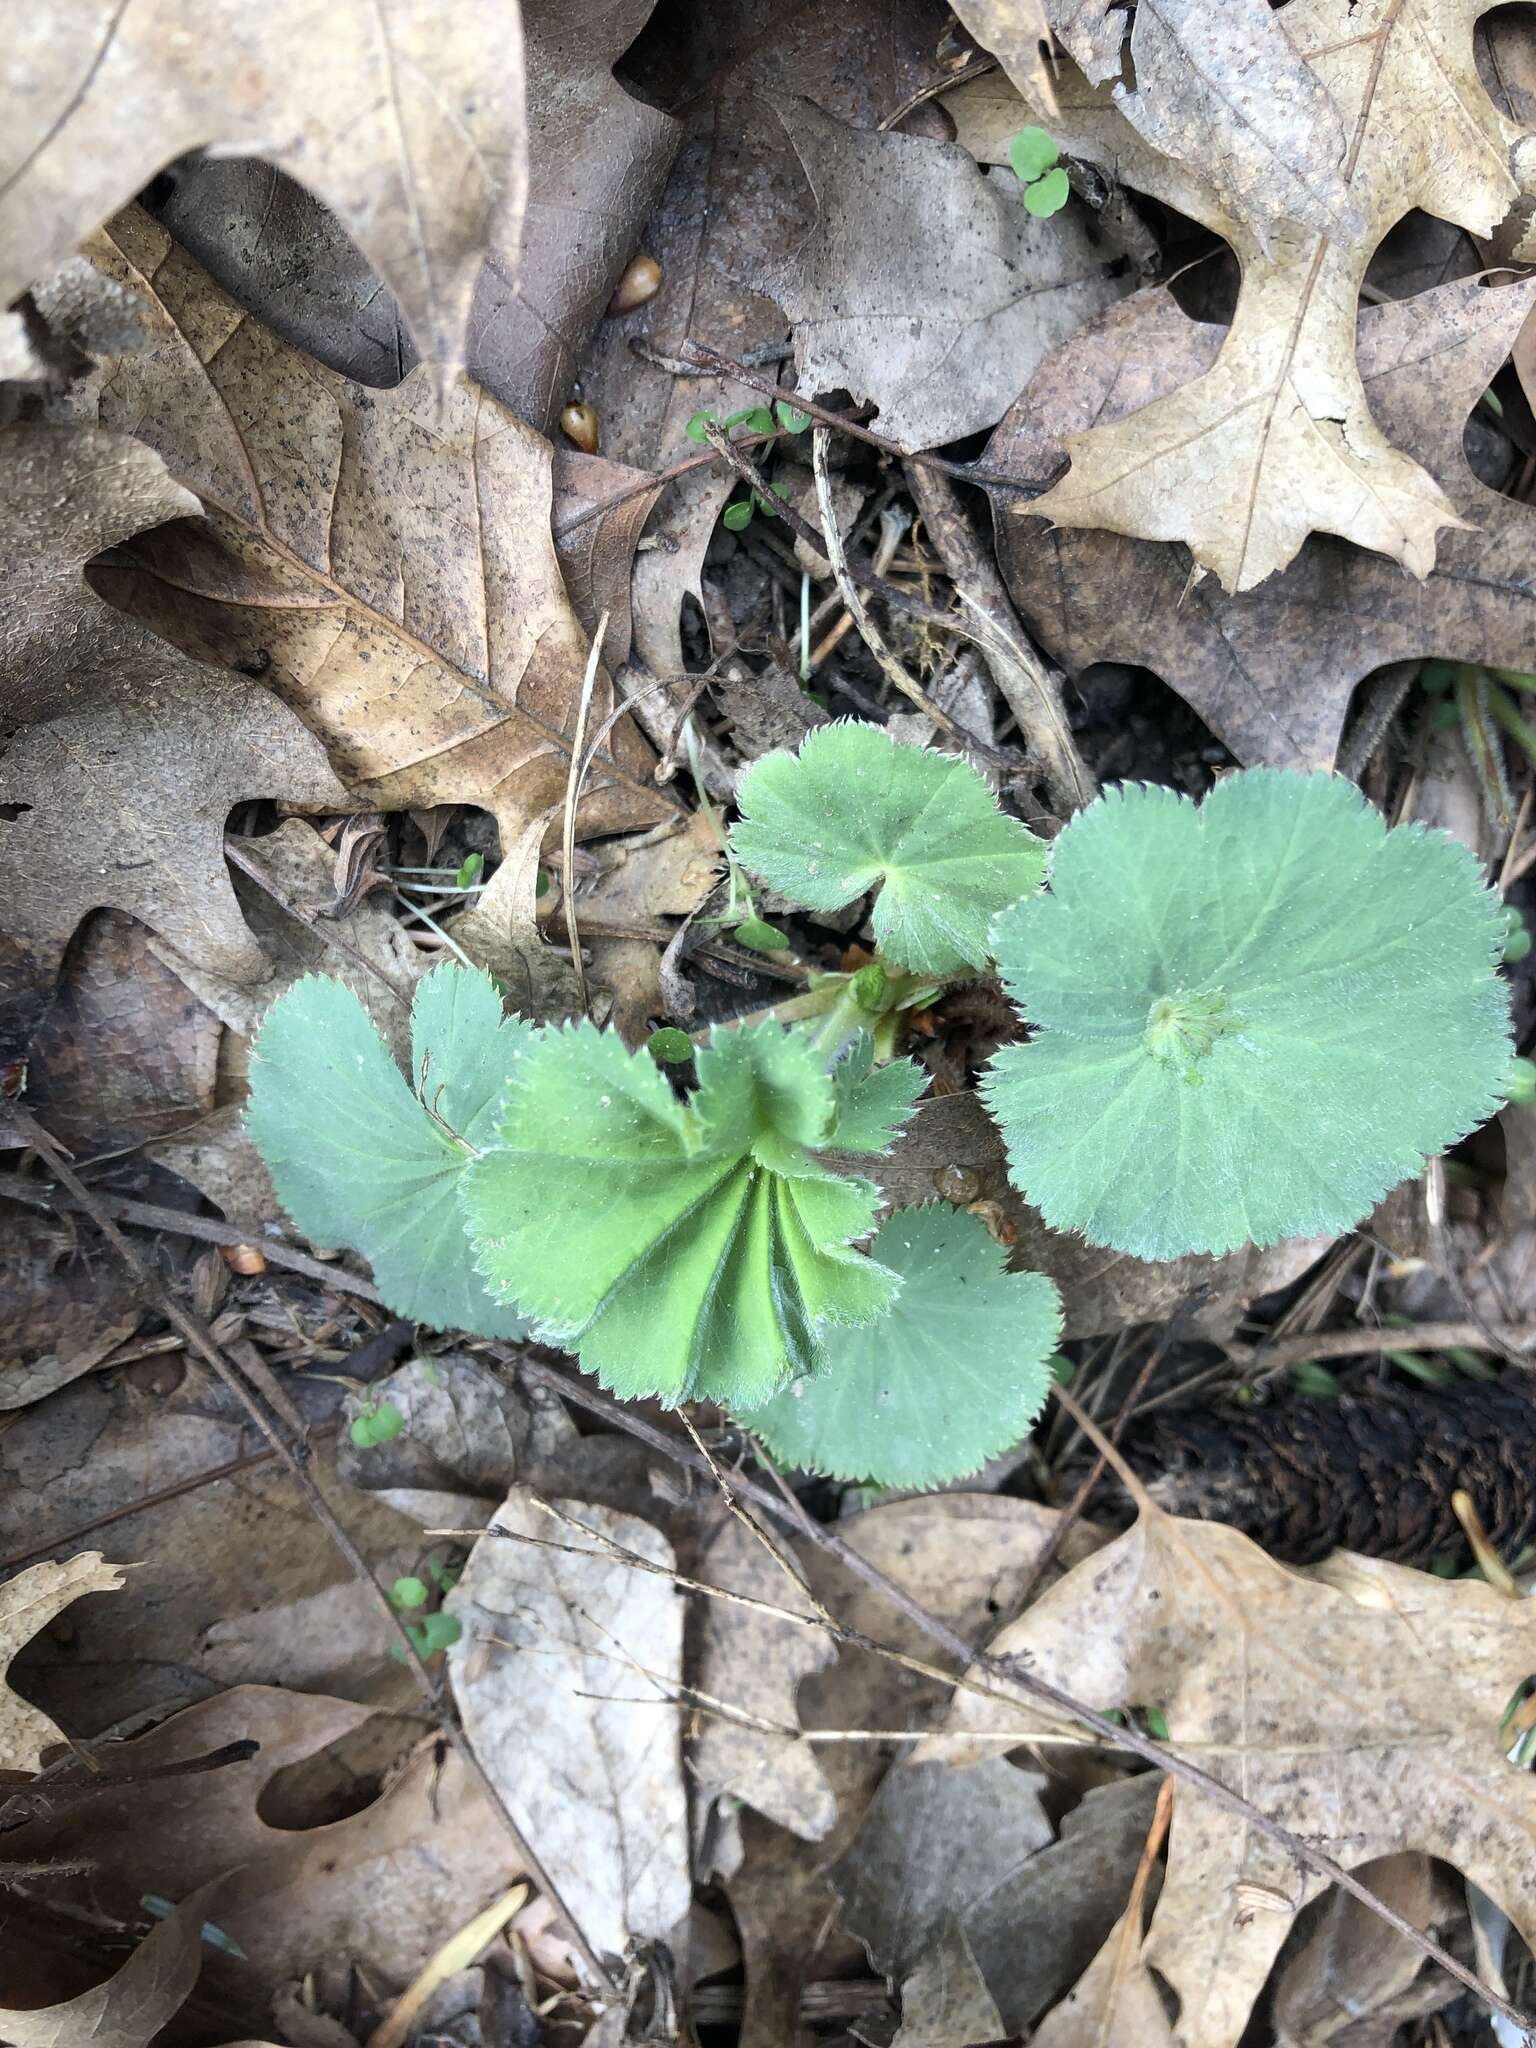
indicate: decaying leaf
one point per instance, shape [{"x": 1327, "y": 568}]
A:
[
  {"x": 382, "y": 559},
  {"x": 925, "y": 286},
  {"x": 61, "y": 1315},
  {"x": 129, "y": 756},
  {"x": 27, "y": 1604},
  {"x": 597, "y": 557},
  {"x": 566, "y": 1677},
  {"x": 1272, "y": 670},
  {"x": 1353, "y": 1972},
  {"x": 408, "y": 125},
  {"x": 134, "y": 2004},
  {"x": 1276, "y": 440},
  {"x": 1358, "y": 1704}
]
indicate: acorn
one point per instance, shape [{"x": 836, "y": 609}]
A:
[
  {"x": 641, "y": 282},
  {"x": 578, "y": 423}
]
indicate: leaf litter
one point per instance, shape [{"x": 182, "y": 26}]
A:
[{"x": 328, "y": 651}]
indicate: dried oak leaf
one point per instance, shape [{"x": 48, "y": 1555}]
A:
[
  {"x": 1276, "y": 440},
  {"x": 736, "y": 199},
  {"x": 1218, "y": 87},
  {"x": 382, "y": 558},
  {"x": 127, "y": 756},
  {"x": 407, "y": 122},
  {"x": 1272, "y": 671},
  {"x": 1357, "y": 1703},
  {"x": 27, "y": 1604},
  {"x": 926, "y": 286}
]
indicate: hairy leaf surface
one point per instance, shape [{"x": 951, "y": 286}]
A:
[
  {"x": 362, "y": 1157},
  {"x": 853, "y": 809},
  {"x": 1253, "y": 1016},
  {"x": 683, "y": 1249},
  {"x": 954, "y": 1375}
]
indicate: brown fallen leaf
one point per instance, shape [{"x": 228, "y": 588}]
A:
[
  {"x": 383, "y": 1886},
  {"x": 1354, "y": 1979},
  {"x": 410, "y": 126},
  {"x": 1276, "y": 440},
  {"x": 1272, "y": 671},
  {"x": 135, "y": 2003},
  {"x": 27, "y": 1604},
  {"x": 924, "y": 286},
  {"x": 382, "y": 558},
  {"x": 735, "y": 203},
  {"x": 946, "y": 2000},
  {"x": 61, "y": 1312},
  {"x": 128, "y": 756},
  {"x": 566, "y": 1678},
  {"x": 951, "y": 1151},
  {"x": 597, "y": 557},
  {"x": 1357, "y": 1704}
]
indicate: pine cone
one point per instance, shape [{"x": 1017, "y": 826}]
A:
[{"x": 1371, "y": 1473}]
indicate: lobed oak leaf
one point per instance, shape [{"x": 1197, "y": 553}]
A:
[
  {"x": 1358, "y": 1704},
  {"x": 1273, "y": 670},
  {"x": 1275, "y": 440},
  {"x": 28, "y": 1603},
  {"x": 409, "y": 125}
]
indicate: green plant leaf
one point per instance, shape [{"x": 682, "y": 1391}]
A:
[
  {"x": 1048, "y": 195},
  {"x": 684, "y": 1250},
  {"x": 672, "y": 1047},
  {"x": 872, "y": 1105},
  {"x": 738, "y": 517},
  {"x": 1253, "y": 1016},
  {"x": 790, "y": 417},
  {"x": 760, "y": 937},
  {"x": 362, "y": 1158},
  {"x": 954, "y": 1375},
  {"x": 853, "y": 809},
  {"x": 697, "y": 422},
  {"x": 408, "y": 1592},
  {"x": 1032, "y": 153}
]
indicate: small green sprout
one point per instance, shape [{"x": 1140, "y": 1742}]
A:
[
  {"x": 790, "y": 417},
  {"x": 407, "y": 1593},
  {"x": 1520, "y": 1081},
  {"x": 1517, "y": 937},
  {"x": 672, "y": 1047},
  {"x": 438, "y": 1632},
  {"x": 1035, "y": 159},
  {"x": 379, "y": 1424},
  {"x": 759, "y": 937},
  {"x": 470, "y": 870}
]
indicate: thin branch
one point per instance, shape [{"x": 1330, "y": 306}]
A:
[
  {"x": 1011, "y": 1673},
  {"x": 200, "y": 1339},
  {"x": 568, "y": 825},
  {"x": 1515, "y": 1339}
]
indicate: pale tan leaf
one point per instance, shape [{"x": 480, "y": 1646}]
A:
[
  {"x": 406, "y": 120},
  {"x": 945, "y": 2002},
  {"x": 1357, "y": 1704},
  {"x": 1353, "y": 1971},
  {"x": 383, "y": 558},
  {"x": 1275, "y": 440},
  {"x": 27, "y": 1604},
  {"x": 923, "y": 286},
  {"x": 129, "y": 2010},
  {"x": 130, "y": 756},
  {"x": 566, "y": 1679}
]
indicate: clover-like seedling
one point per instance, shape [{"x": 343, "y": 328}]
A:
[
  {"x": 692, "y": 1249},
  {"x": 361, "y": 1158},
  {"x": 1252, "y": 1016},
  {"x": 1036, "y": 163},
  {"x": 853, "y": 809},
  {"x": 954, "y": 1375}
]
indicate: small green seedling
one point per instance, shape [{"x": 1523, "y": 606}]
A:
[
  {"x": 437, "y": 1632},
  {"x": 1251, "y": 1017},
  {"x": 380, "y": 1424},
  {"x": 1036, "y": 162},
  {"x": 407, "y": 1593}
]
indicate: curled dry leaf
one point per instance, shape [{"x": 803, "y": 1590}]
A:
[
  {"x": 1357, "y": 1704},
  {"x": 566, "y": 1678},
  {"x": 27, "y": 1604},
  {"x": 1272, "y": 671},
  {"x": 1276, "y": 440},
  {"x": 129, "y": 756},
  {"x": 382, "y": 558},
  {"x": 923, "y": 286},
  {"x": 134, "y": 2004},
  {"x": 408, "y": 124}
]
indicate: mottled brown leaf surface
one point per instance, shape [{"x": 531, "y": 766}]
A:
[
  {"x": 130, "y": 2009},
  {"x": 27, "y": 1604},
  {"x": 1358, "y": 1704},
  {"x": 1275, "y": 439},
  {"x": 408, "y": 122},
  {"x": 925, "y": 286},
  {"x": 382, "y": 558},
  {"x": 1272, "y": 671},
  {"x": 127, "y": 755}
]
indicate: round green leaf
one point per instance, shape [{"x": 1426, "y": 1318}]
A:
[
  {"x": 672, "y": 1047},
  {"x": 738, "y": 516},
  {"x": 853, "y": 809},
  {"x": 1032, "y": 153},
  {"x": 752, "y": 932},
  {"x": 955, "y": 1374},
  {"x": 408, "y": 1592},
  {"x": 1252, "y": 1016},
  {"x": 790, "y": 417},
  {"x": 1047, "y": 195}
]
